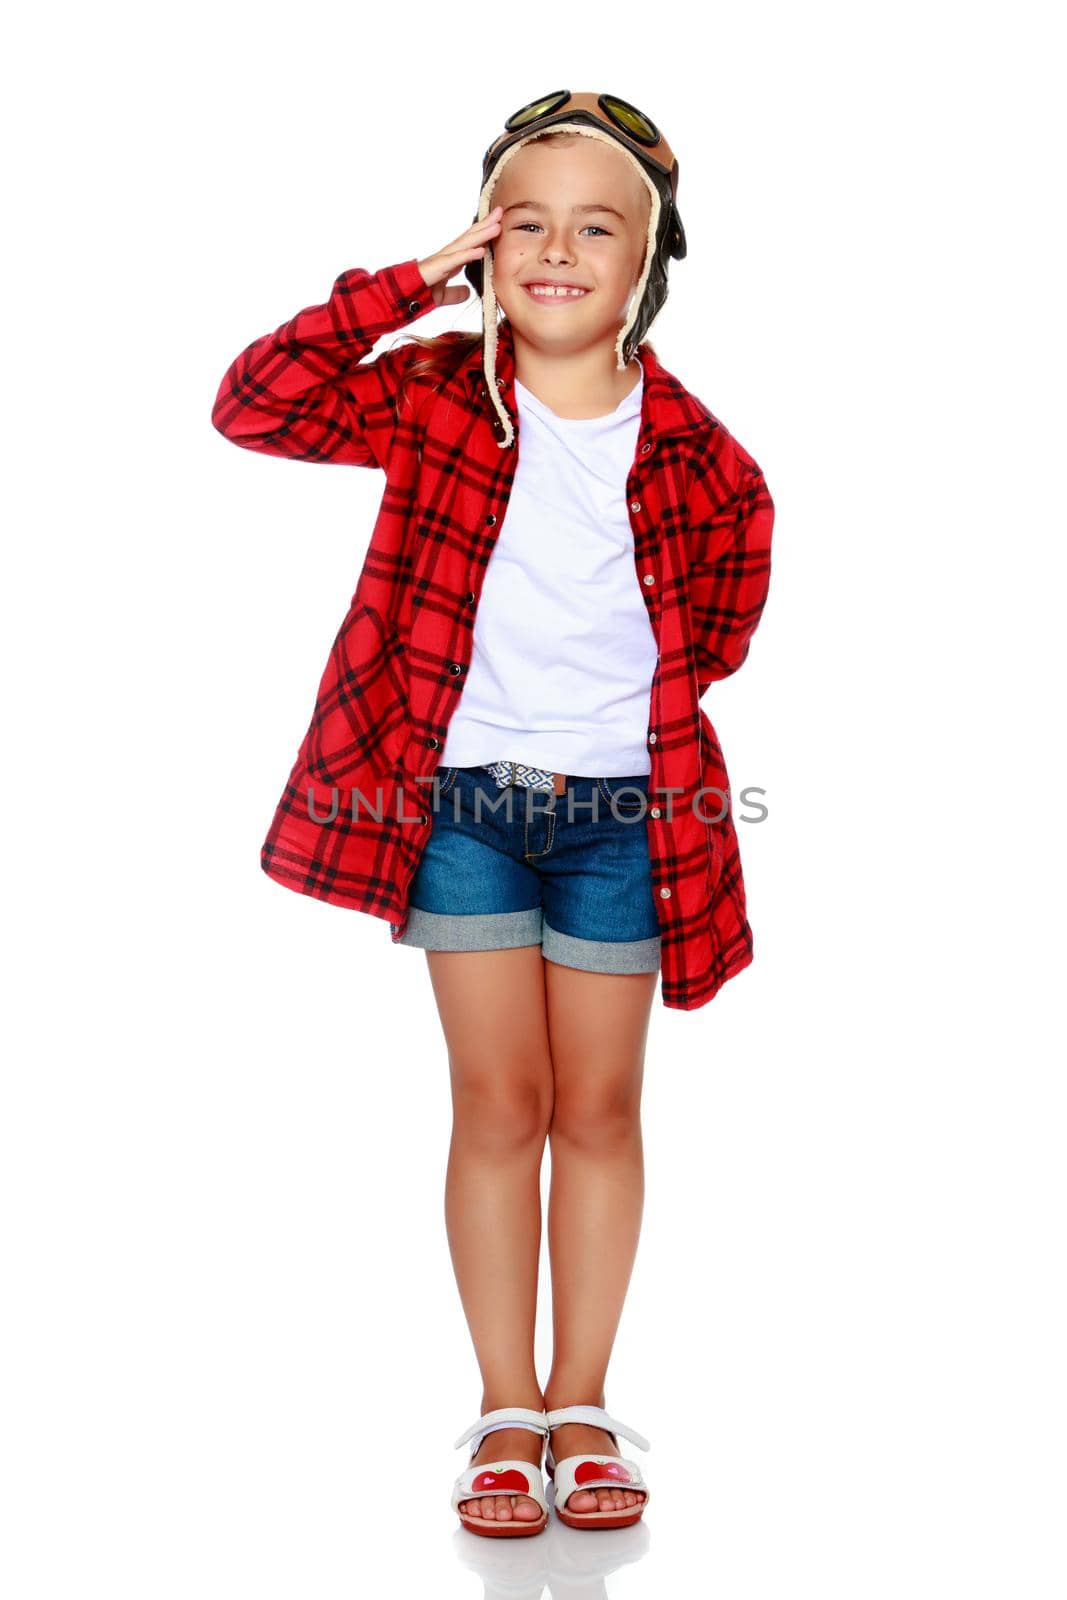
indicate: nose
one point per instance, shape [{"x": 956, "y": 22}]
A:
[{"x": 555, "y": 247}]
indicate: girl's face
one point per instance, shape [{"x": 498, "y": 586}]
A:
[{"x": 575, "y": 215}]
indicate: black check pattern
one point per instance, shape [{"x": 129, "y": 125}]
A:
[{"x": 350, "y": 825}]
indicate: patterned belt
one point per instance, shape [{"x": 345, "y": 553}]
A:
[{"x": 507, "y": 772}]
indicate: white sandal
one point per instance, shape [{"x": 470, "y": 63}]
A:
[
  {"x": 502, "y": 1477},
  {"x": 595, "y": 1472}
]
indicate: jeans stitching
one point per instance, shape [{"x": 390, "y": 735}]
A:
[
  {"x": 532, "y": 855},
  {"x": 624, "y": 808}
]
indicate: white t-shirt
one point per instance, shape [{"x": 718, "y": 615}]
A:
[{"x": 563, "y": 650}]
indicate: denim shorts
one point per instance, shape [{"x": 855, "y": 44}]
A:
[{"x": 568, "y": 872}]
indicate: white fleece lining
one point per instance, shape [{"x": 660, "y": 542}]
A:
[{"x": 489, "y": 320}]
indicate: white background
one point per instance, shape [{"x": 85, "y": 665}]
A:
[{"x": 234, "y": 1358}]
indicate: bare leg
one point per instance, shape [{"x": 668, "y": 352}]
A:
[
  {"x": 492, "y": 1009},
  {"x": 598, "y": 1027}
]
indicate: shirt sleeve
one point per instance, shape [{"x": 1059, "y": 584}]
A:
[
  {"x": 729, "y": 568},
  {"x": 305, "y": 391}
]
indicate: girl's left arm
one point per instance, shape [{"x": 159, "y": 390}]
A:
[{"x": 731, "y": 520}]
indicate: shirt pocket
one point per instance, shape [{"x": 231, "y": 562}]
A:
[
  {"x": 714, "y": 782},
  {"x": 716, "y": 843},
  {"x": 360, "y": 721}
]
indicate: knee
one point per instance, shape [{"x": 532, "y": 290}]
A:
[
  {"x": 501, "y": 1110},
  {"x": 596, "y": 1118}
]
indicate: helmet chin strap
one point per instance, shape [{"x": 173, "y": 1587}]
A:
[{"x": 489, "y": 302}]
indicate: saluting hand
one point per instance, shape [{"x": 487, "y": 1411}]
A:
[{"x": 472, "y": 242}]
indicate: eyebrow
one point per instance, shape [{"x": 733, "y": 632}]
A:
[{"x": 535, "y": 205}]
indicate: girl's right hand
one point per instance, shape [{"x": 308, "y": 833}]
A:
[{"x": 471, "y": 243}]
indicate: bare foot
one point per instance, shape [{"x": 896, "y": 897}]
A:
[
  {"x": 522, "y": 1445},
  {"x": 577, "y": 1438}
]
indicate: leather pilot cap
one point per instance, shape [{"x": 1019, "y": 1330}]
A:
[{"x": 599, "y": 117}]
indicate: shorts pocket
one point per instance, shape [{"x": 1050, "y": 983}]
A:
[{"x": 626, "y": 797}]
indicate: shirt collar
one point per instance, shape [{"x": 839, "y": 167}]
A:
[{"x": 667, "y": 407}]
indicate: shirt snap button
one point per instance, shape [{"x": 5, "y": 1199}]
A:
[
  {"x": 471, "y": 597},
  {"x": 490, "y": 519},
  {"x": 648, "y": 578},
  {"x": 665, "y": 894},
  {"x": 413, "y": 305},
  {"x": 454, "y": 667},
  {"x": 652, "y": 738},
  {"x": 635, "y": 505},
  {"x": 645, "y": 448},
  {"x": 655, "y": 811},
  {"x": 433, "y": 744}
]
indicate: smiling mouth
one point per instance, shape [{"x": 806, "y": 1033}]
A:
[{"x": 553, "y": 295}]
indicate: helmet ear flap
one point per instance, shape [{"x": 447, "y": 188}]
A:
[
  {"x": 670, "y": 243},
  {"x": 472, "y": 271},
  {"x": 675, "y": 241}
]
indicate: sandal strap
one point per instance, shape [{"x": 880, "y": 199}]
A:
[
  {"x": 503, "y": 1417},
  {"x": 596, "y": 1417},
  {"x": 500, "y": 1477},
  {"x": 596, "y": 1472}
]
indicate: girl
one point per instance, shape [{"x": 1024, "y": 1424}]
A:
[{"x": 541, "y": 677}]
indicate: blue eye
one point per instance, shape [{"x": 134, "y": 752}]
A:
[{"x": 520, "y": 225}]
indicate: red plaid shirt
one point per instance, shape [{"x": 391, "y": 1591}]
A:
[{"x": 701, "y": 518}]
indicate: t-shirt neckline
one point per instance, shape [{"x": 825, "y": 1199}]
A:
[{"x": 621, "y": 409}]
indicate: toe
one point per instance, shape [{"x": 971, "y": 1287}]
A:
[
  {"x": 502, "y": 1508},
  {"x": 582, "y": 1500},
  {"x": 604, "y": 1499}
]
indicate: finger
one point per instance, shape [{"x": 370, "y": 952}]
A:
[
  {"x": 454, "y": 260},
  {"x": 471, "y": 250},
  {"x": 492, "y": 220},
  {"x": 477, "y": 230}
]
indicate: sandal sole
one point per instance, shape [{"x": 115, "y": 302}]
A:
[
  {"x": 504, "y": 1530},
  {"x": 598, "y": 1519}
]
